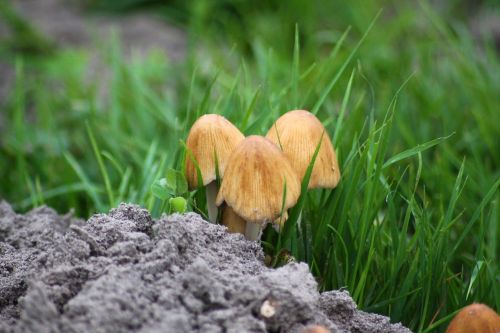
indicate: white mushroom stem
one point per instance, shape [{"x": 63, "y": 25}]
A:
[
  {"x": 211, "y": 192},
  {"x": 253, "y": 231}
]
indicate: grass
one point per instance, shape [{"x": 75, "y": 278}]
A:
[{"x": 411, "y": 103}]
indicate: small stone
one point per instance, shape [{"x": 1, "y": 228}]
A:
[{"x": 267, "y": 309}]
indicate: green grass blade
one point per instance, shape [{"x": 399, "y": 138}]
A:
[
  {"x": 295, "y": 212},
  {"x": 296, "y": 69},
  {"x": 332, "y": 83},
  {"x": 343, "y": 108},
  {"x": 486, "y": 200},
  {"x": 414, "y": 151},
  {"x": 89, "y": 187},
  {"x": 102, "y": 167}
]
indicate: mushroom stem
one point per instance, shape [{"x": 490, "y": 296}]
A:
[
  {"x": 211, "y": 192},
  {"x": 233, "y": 222},
  {"x": 253, "y": 231}
]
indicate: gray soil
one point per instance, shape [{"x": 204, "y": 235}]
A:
[
  {"x": 67, "y": 24},
  {"x": 125, "y": 272}
]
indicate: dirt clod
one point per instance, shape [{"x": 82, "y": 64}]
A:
[{"x": 125, "y": 272}]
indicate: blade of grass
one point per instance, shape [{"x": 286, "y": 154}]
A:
[
  {"x": 486, "y": 200},
  {"x": 102, "y": 167},
  {"x": 345, "y": 100},
  {"x": 296, "y": 69},
  {"x": 415, "y": 150},
  {"x": 54, "y": 193},
  {"x": 249, "y": 110},
  {"x": 295, "y": 212},
  {"x": 332, "y": 83},
  {"x": 89, "y": 187}
]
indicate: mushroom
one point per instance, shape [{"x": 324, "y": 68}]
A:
[
  {"x": 210, "y": 142},
  {"x": 298, "y": 133},
  {"x": 475, "y": 318},
  {"x": 254, "y": 182},
  {"x": 236, "y": 224}
]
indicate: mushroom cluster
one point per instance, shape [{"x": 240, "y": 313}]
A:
[{"x": 261, "y": 176}]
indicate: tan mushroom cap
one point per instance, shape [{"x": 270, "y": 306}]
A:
[
  {"x": 254, "y": 181},
  {"x": 298, "y": 133},
  {"x": 475, "y": 318},
  {"x": 209, "y": 134}
]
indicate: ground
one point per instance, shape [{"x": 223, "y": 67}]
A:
[{"x": 125, "y": 272}]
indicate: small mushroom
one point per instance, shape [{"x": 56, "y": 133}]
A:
[
  {"x": 254, "y": 182},
  {"x": 236, "y": 224},
  {"x": 211, "y": 140},
  {"x": 298, "y": 133},
  {"x": 475, "y": 318}
]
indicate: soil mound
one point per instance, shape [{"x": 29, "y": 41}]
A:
[{"x": 125, "y": 272}]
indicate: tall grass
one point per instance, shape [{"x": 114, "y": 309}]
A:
[{"x": 412, "y": 230}]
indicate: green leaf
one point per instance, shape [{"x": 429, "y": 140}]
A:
[
  {"x": 181, "y": 182},
  {"x": 171, "y": 180},
  {"x": 160, "y": 189}
]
